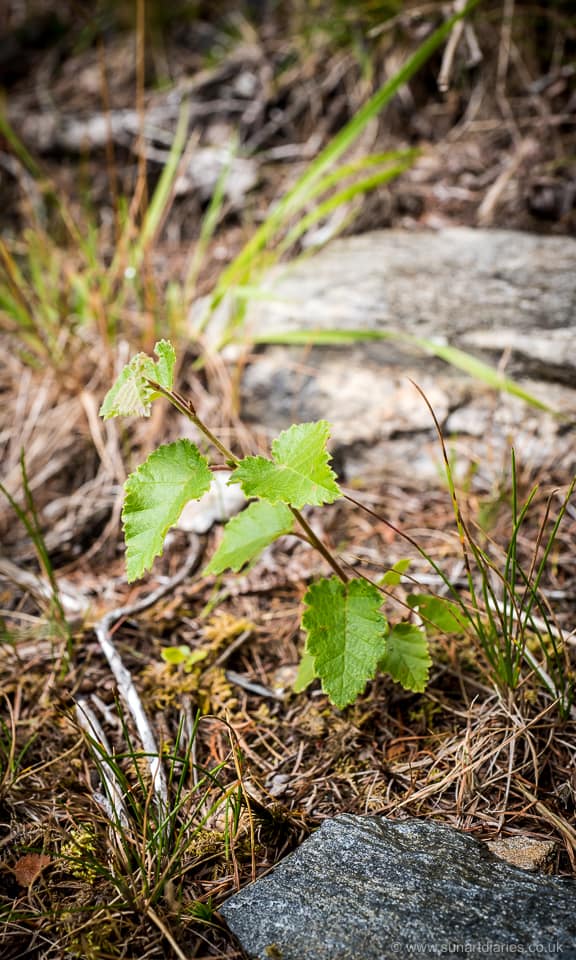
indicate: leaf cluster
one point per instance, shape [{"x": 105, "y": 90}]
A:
[{"x": 348, "y": 638}]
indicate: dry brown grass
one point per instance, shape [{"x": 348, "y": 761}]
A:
[
  {"x": 274, "y": 764},
  {"x": 490, "y": 763}
]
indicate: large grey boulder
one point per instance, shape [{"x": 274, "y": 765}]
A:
[
  {"x": 507, "y": 298},
  {"x": 367, "y": 888}
]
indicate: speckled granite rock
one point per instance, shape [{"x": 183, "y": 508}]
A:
[{"x": 367, "y": 888}]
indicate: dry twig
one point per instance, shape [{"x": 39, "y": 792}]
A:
[{"x": 126, "y": 687}]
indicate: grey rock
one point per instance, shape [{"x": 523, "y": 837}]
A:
[
  {"x": 218, "y": 505},
  {"x": 367, "y": 888},
  {"x": 507, "y": 298},
  {"x": 458, "y": 280}
]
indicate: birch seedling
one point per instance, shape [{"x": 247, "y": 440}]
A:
[{"x": 348, "y": 638}]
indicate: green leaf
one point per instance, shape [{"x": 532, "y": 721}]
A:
[
  {"x": 444, "y": 615},
  {"x": 183, "y": 655},
  {"x": 407, "y": 659},
  {"x": 306, "y": 672},
  {"x": 346, "y": 635},
  {"x": 155, "y": 495},
  {"x": 164, "y": 367},
  {"x": 132, "y": 395},
  {"x": 393, "y": 576},
  {"x": 175, "y": 655},
  {"x": 246, "y": 535},
  {"x": 298, "y": 474}
]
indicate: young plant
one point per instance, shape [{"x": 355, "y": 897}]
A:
[{"x": 348, "y": 638}]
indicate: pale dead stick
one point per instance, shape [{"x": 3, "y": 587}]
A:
[
  {"x": 486, "y": 210},
  {"x": 126, "y": 687},
  {"x": 461, "y": 27}
]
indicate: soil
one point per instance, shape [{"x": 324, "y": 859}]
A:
[{"x": 254, "y": 766}]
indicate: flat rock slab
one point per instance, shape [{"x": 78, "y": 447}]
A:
[
  {"x": 459, "y": 280},
  {"x": 504, "y": 297},
  {"x": 367, "y": 888}
]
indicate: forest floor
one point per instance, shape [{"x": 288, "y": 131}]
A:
[{"x": 253, "y": 768}]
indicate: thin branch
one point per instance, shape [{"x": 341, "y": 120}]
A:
[{"x": 126, "y": 686}]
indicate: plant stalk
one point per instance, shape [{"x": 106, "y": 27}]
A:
[
  {"x": 319, "y": 546},
  {"x": 186, "y": 407}
]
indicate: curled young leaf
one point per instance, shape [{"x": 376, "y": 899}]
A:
[{"x": 132, "y": 395}]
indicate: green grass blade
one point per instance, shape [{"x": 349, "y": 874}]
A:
[
  {"x": 207, "y": 229},
  {"x": 29, "y": 518},
  {"x": 552, "y": 539},
  {"x": 161, "y": 199},
  {"x": 336, "y": 338},
  {"x": 338, "y": 200},
  {"x": 479, "y": 371},
  {"x": 356, "y": 167},
  {"x": 43, "y": 182},
  {"x": 299, "y": 195},
  {"x": 510, "y": 570},
  {"x": 19, "y": 148},
  {"x": 452, "y": 355}
]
